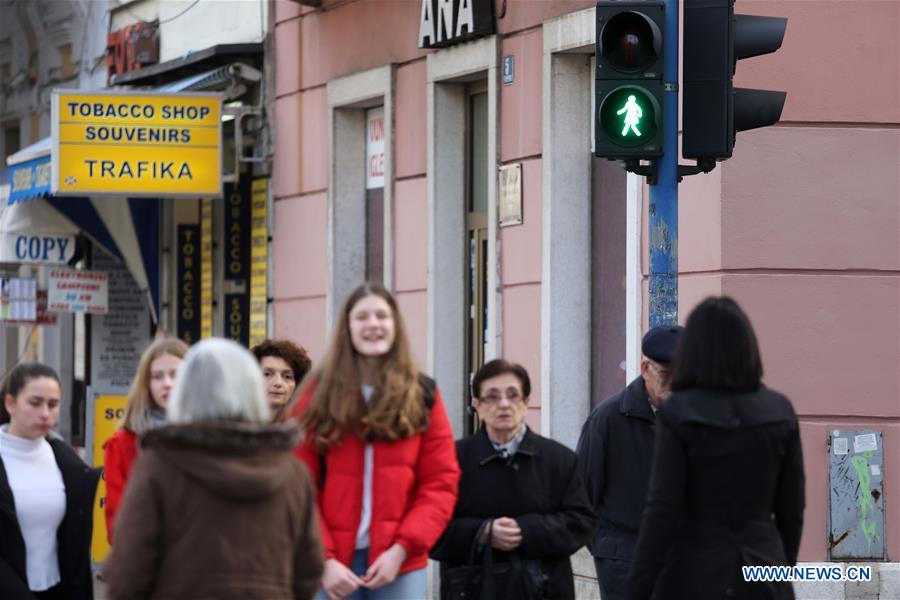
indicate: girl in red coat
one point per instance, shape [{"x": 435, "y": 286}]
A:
[
  {"x": 379, "y": 446},
  {"x": 144, "y": 410}
]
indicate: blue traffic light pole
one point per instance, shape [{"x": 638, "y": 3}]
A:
[{"x": 663, "y": 213}]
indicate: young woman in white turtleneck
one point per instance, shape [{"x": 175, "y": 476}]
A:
[{"x": 34, "y": 502}]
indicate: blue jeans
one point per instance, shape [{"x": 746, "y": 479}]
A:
[{"x": 409, "y": 586}]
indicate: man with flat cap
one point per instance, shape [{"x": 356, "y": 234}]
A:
[{"x": 615, "y": 453}]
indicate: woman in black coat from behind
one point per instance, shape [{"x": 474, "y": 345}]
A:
[
  {"x": 727, "y": 483},
  {"x": 526, "y": 485}
]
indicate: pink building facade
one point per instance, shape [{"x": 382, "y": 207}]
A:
[{"x": 801, "y": 226}]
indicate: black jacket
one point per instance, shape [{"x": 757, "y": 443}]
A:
[
  {"x": 73, "y": 536},
  {"x": 726, "y": 491},
  {"x": 615, "y": 453},
  {"x": 540, "y": 488}
]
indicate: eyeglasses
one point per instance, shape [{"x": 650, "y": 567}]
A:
[
  {"x": 662, "y": 371},
  {"x": 512, "y": 395}
]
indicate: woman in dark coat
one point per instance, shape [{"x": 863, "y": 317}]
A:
[
  {"x": 528, "y": 486},
  {"x": 727, "y": 483},
  {"x": 46, "y": 495}
]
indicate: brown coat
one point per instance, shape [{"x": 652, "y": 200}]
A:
[{"x": 220, "y": 511}]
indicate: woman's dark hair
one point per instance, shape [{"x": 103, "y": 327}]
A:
[
  {"x": 717, "y": 349},
  {"x": 289, "y": 352},
  {"x": 499, "y": 366},
  {"x": 17, "y": 378}
]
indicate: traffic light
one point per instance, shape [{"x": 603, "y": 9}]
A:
[
  {"x": 713, "y": 110},
  {"x": 628, "y": 94}
]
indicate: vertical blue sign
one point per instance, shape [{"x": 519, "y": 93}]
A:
[
  {"x": 237, "y": 261},
  {"x": 509, "y": 69},
  {"x": 237, "y": 231},
  {"x": 237, "y": 317},
  {"x": 188, "y": 273}
]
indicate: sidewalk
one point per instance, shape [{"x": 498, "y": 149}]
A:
[{"x": 99, "y": 588}]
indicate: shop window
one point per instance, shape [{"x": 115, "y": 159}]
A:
[
  {"x": 360, "y": 222},
  {"x": 375, "y": 137}
]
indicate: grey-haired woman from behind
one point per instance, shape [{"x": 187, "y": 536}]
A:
[{"x": 217, "y": 505}]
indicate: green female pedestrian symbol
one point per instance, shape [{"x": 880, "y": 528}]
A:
[{"x": 633, "y": 114}]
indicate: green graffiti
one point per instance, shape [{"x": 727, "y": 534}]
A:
[{"x": 866, "y": 505}]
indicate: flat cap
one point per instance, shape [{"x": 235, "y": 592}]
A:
[{"x": 659, "y": 343}]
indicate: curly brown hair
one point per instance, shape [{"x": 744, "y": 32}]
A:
[
  {"x": 295, "y": 356},
  {"x": 397, "y": 409}
]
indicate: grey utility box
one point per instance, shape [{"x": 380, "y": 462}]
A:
[{"x": 856, "y": 503}]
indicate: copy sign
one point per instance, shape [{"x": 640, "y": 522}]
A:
[
  {"x": 136, "y": 144},
  {"x": 37, "y": 248}
]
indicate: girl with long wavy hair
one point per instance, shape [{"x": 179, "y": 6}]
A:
[
  {"x": 145, "y": 410},
  {"x": 379, "y": 446}
]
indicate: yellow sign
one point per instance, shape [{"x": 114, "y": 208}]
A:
[
  {"x": 135, "y": 144},
  {"x": 206, "y": 268},
  {"x": 259, "y": 259},
  {"x": 108, "y": 413}
]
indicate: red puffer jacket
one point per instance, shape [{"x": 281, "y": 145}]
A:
[
  {"x": 414, "y": 488},
  {"x": 119, "y": 453}
]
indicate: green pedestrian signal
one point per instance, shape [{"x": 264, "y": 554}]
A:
[
  {"x": 633, "y": 114},
  {"x": 627, "y": 117},
  {"x": 628, "y": 92}
]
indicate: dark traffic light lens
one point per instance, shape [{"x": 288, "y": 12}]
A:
[
  {"x": 628, "y": 117},
  {"x": 629, "y": 42}
]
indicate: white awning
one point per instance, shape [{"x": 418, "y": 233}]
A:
[
  {"x": 34, "y": 233},
  {"x": 38, "y": 149}
]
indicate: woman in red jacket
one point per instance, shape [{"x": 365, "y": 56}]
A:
[
  {"x": 145, "y": 409},
  {"x": 379, "y": 446}
]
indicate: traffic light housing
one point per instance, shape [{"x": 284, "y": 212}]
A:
[
  {"x": 628, "y": 92},
  {"x": 713, "y": 110}
]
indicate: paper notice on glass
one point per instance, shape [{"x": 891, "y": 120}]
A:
[
  {"x": 866, "y": 442},
  {"x": 841, "y": 446}
]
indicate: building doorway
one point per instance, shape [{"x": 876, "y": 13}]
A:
[{"x": 476, "y": 232}]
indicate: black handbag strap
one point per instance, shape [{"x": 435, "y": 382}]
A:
[
  {"x": 487, "y": 562},
  {"x": 488, "y": 557},
  {"x": 473, "y": 552}
]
